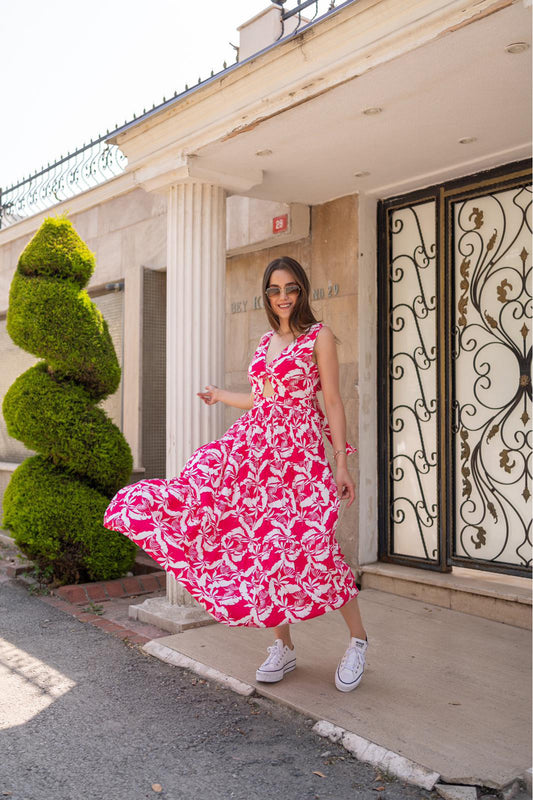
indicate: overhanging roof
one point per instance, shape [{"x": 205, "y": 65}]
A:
[{"x": 439, "y": 70}]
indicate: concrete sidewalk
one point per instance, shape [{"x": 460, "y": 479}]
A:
[{"x": 446, "y": 690}]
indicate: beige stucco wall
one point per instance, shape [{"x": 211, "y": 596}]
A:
[{"x": 330, "y": 257}]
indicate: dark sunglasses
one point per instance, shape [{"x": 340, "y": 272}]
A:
[{"x": 291, "y": 288}]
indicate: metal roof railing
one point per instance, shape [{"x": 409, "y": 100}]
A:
[{"x": 90, "y": 165}]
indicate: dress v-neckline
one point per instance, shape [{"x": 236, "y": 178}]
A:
[{"x": 287, "y": 347}]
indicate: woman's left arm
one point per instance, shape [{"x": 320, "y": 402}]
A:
[{"x": 328, "y": 369}]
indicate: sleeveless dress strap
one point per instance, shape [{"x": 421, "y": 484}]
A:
[{"x": 312, "y": 333}]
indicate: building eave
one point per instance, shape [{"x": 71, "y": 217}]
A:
[
  {"x": 219, "y": 77},
  {"x": 359, "y": 37}
]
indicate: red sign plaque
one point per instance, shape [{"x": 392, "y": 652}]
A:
[{"x": 280, "y": 224}]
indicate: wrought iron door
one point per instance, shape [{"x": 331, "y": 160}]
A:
[{"x": 455, "y": 316}]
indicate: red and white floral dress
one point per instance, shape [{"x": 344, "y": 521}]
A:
[{"x": 248, "y": 526}]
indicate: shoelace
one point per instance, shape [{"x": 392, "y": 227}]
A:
[
  {"x": 275, "y": 655},
  {"x": 351, "y": 658}
]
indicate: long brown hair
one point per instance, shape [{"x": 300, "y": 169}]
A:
[{"x": 302, "y": 316}]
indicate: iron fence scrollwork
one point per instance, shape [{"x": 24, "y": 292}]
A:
[{"x": 77, "y": 172}]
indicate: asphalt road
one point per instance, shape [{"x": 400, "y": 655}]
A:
[{"x": 85, "y": 715}]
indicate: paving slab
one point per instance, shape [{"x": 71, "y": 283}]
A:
[
  {"x": 447, "y": 690},
  {"x": 456, "y": 792}
]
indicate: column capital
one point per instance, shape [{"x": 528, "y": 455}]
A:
[{"x": 171, "y": 169}]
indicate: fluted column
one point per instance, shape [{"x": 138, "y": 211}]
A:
[
  {"x": 196, "y": 258},
  {"x": 196, "y": 265}
]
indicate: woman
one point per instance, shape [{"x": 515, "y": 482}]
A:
[{"x": 248, "y": 527}]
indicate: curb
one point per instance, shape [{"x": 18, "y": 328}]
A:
[
  {"x": 16, "y": 570},
  {"x": 119, "y": 631},
  {"x": 365, "y": 750},
  {"x": 147, "y": 578},
  {"x": 5, "y": 538},
  {"x": 83, "y": 593},
  {"x": 164, "y": 653}
]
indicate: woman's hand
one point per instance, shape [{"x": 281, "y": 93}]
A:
[
  {"x": 211, "y": 395},
  {"x": 345, "y": 484}
]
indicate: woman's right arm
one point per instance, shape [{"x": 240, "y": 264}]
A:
[{"x": 236, "y": 399}]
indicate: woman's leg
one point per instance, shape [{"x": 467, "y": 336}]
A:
[
  {"x": 283, "y": 632},
  {"x": 352, "y": 617}
]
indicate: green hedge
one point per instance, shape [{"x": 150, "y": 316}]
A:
[
  {"x": 57, "y": 523},
  {"x": 56, "y": 321},
  {"x": 58, "y": 420},
  {"x": 56, "y": 251},
  {"x": 55, "y": 502}
]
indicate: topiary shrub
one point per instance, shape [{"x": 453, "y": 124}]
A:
[{"x": 55, "y": 502}]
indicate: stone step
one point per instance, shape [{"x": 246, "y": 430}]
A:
[
  {"x": 503, "y": 598},
  {"x": 144, "y": 564}
]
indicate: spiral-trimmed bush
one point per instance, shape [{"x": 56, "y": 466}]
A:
[{"x": 55, "y": 502}]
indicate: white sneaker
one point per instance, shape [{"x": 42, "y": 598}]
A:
[
  {"x": 350, "y": 670},
  {"x": 281, "y": 659}
]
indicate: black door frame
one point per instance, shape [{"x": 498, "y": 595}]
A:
[{"x": 444, "y": 195}]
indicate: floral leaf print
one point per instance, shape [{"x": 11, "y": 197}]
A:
[{"x": 248, "y": 526}]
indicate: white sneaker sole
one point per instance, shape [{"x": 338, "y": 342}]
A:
[
  {"x": 347, "y": 687},
  {"x": 275, "y": 675}
]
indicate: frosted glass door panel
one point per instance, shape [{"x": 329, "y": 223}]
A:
[
  {"x": 413, "y": 459},
  {"x": 492, "y": 377}
]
